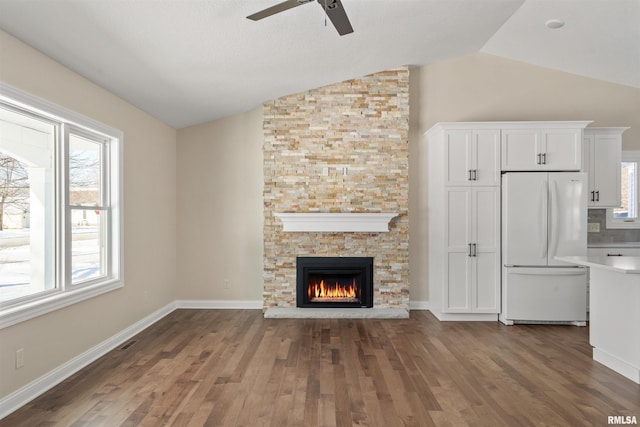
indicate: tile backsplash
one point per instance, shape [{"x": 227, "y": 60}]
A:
[{"x": 611, "y": 235}]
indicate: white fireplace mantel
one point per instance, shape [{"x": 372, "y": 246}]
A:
[{"x": 336, "y": 222}]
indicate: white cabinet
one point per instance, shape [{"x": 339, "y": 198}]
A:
[
  {"x": 542, "y": 149},
  {"x": 614, "y": 251},
  {"x": 602, "y": 156},
  {"x": 464, "y": 221},
  {"x": 462, "y": 167},
  {"x": 472, "y": 250},
  {"x": 472, "y": 157}
]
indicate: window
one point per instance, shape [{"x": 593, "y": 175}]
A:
[
  {"x": 626, "y": 216},
  {"x": 60, "y": 207}
]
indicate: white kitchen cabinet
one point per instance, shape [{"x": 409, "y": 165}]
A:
[
  {"x": 614, "y": 251},
  {"x": 472, "y": 248},
  {"x": 542, "y": 149},
  {"x": 463, "y": 214},
  {"x": 602, "y": 157},
  {"x": 472, "y": 157},
  {"x": 464, "y": 220}
]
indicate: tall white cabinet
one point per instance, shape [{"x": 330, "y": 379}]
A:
[
  {"x": 464, "y": 221},
  {"x": 465, "y": 161}
]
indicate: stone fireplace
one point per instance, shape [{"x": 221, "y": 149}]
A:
[{"x": 340, "y": 150}]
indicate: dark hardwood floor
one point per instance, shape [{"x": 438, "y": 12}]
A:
[{"x": 235, "y": 368}]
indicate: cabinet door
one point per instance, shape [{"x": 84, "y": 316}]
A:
[
  {"x": 457, "y": 157},
  {"x": 485, "y": 286},
  {"x": 521, "y": 149},
  {"x": 457, "y": 270},
  {"x": 561, "y": 149},
  {"x": 472, "y": 271},
  {"x": 485, "y": 154},
  {"x": 606, "y": 153}
]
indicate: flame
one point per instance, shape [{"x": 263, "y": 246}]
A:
[{"x": 332, "y": 291}]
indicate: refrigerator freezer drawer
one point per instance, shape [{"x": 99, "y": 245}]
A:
[{"x": 545, "y": 294}]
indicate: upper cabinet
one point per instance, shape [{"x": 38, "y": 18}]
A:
[
  {"x": 602, "y": 156},
  {"x": 472, "y": 157},
  {"x": 542, "y": 148}
]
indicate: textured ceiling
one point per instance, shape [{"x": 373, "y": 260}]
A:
[{"x": 191, "y": 61}]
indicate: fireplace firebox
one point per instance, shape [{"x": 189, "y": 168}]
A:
[{"x": 334, "y": 282}]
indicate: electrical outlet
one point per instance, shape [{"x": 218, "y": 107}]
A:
[
  {"x": 19, "y": 358},
  {"x": 225, "y": 283},
  {"x": 594, "y": 227}
]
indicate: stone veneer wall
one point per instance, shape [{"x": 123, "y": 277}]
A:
[{"x": 361, "y": 125}]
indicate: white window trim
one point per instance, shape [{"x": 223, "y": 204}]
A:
[
  {"x": 51, "y": 301},
  {"x": 627, "y": 156}
]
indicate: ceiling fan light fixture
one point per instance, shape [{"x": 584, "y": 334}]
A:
[{"x": 333, "y": 10}]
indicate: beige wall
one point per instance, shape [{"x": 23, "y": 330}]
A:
[
  {"x": 483, "y": 87},
  {"x": 220, "y": 209},
  {"x": 149, "y": 221}
]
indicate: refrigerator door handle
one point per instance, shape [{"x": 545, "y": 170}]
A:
[
  {"x": 542, "y": 227},
  {"x": 555, "y": 227}
]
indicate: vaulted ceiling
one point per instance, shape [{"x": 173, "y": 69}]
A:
[{"x": 191, "y": 61}]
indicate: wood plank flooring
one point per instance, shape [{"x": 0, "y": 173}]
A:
[{"x": 235, "y": 368}]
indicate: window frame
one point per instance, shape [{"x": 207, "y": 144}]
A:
[
  {"x": 66, "y": 293},
  {"x": 619, "y": 223}
]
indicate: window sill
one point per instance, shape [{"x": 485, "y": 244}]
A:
[
  {"x": 620, "y": 224},
  {"x": 13, "y": 315}
]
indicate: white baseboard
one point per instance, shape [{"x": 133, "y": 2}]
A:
[
  {"x": 419, "y": 305},
  {"x": 25, "y": 394},
  {"x": 620, "y": 366},
  {"x": 464, "y": 317},
  {"x": 220, "y": 304}
]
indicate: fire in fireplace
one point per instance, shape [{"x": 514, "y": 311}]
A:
[{"x": 334, "y": 282}]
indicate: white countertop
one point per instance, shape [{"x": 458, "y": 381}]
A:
[
  {"x": 615, "y": 245},
  {"x": 623, "y": 264}
]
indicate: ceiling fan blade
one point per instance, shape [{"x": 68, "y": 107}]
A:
[
  {"x": 336, "y": 13},
  {"x": 280, "y": 7}
]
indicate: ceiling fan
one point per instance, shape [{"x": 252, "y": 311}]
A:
[{"x": 333, "y": 9}]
